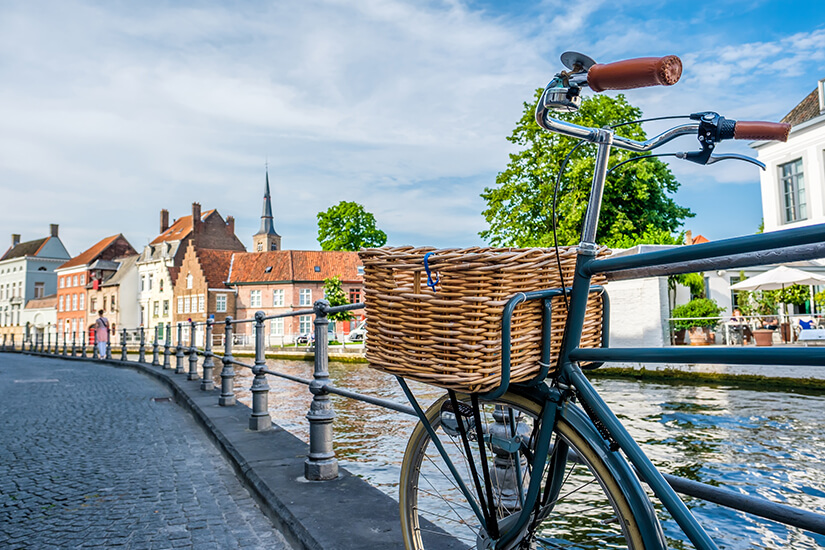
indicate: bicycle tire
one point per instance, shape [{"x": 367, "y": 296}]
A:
[{"x": 442, "y": 504}]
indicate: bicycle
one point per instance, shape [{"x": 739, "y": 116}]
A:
[{"x": 522, "y": 465}]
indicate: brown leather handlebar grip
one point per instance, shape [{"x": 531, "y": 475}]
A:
[
  {"x": 635, "y": 73},
  {"x": 764, "y": 131}
]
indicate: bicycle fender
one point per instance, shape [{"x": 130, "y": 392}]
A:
[{"x": 637, "y": 499}]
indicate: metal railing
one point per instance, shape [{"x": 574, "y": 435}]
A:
[{"x": 321, "y": 463}]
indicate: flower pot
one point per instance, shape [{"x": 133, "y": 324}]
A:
[
  {"x": 701, "y": 336},
  {"x": 763, "y": 337},
  {"x": 679, "y": 337}
]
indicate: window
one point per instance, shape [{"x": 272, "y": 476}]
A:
[
  {"x": 156, "y": 309},
  {"x": 304, "y": 324},
  {"x": 82, "y": 278},
  {"x": 186, "y": 304},
  {"x": 62, "y": 282},
  {"x": 220, "y": 303},
  {"x": 354, "y": 295},
  {"x": 180, "y": 305},
  {"x": 189, "y": 280},
  {"x": 277, "y": 327},
  {"x": 793, "y": 191},
  {"x": 82, "y": 305},
  {"x": 112, "y": 304},
  {"x": 74, "y": 302},
  {"x": 143, "y": 283},
  {"x": 734, "y": 294},
  {"x": 278, "y": 297},
  {"x": 200, "y": 303},
  {"x": 92, "y": 304},
  {"x": 150, "y": 281},
  {"x": 74, "y": 280},
  {"x": 160, "y": 284},
  {"x": 165, "y": 306},
  {"x": 273, "y": 246},
  {"x": 60, "y": 305},
  {"x": 305, "y": 297},
  {"x": 255, "y": 298},
  {"x": 104, "y": 303},
  {"x": 260, "y": 247}
]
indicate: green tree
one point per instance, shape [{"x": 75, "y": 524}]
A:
[
  {"x": 636, "y": 201},
  {"x": 347, "y": 226},
  {"x": 334, "y": 294}
]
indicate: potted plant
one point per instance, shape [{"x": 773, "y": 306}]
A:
[{"x": 698, "y": 316}]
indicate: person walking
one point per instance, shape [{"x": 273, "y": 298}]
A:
[{"x": 101, "y": 335}]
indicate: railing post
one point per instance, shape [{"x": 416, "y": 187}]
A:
[
  {"x": 207, "y": 383},
  {"x": 260, "y": 419},
  {"x": 227, "y": 397},
  {"x": 193, "y": 354},
  {"x": 155, "y": 356},
  {"x": 83, "y": 344},
  {"x": 4, "y": 342},
  {"x": 109, "y": 347},
  {"x": 64, "y": 342},
  {"x": 123, "y": 356},
  {"x": 179, "y": 351},
  {"x": 95, "y": 348},
  {"x": 321, "y": 463},
  {"x": 142, "y": 348},
  {"x": 12, "y": 342},
  {"x": 48, "y": 340},
  {"x": 74, "y": 343},
  {"x": 166, "y": 360}
]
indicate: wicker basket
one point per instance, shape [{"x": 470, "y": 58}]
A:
[{"x": 452, "y": 337}]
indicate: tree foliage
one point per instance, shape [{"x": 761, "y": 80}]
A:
[
  {"x": 636, "y": 202},
  {"x": 347, "y": 226},
  {"x": 335, "y": 295}
]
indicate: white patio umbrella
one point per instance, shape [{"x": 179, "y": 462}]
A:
[{"x": 778, "y": 278}]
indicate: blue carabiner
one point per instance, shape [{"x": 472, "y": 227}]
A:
[{"x": 430, "y": 282}]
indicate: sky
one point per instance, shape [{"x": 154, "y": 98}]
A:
[{"x": 112, "y": 110}]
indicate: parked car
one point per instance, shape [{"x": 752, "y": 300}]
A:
[
  {"x": 358, "y": 333},
  {"x": 305, "y": 338}
]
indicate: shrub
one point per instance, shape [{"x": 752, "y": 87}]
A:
[{"x": 698, "y": 309}]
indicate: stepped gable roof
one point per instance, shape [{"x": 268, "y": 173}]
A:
[
  {"x": 29, "y": 248},
  {"x": 180, "y": 229},
  {"x": 173, "y": 274},
  {"x": 126, "y": 264},
  {"x": 215, "y": 266},
  {"x": 807, "y": 109},
  {"x": 90, "y": 254},
  {"x": 294, "y": 265},
  {"x": 45, "y": 302}
]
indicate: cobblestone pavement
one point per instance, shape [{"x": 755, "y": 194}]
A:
[{"x": 89, "y": 459}]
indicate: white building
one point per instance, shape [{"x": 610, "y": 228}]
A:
[
  {"x": 27, "y": 273},
  {"x": 793, "y": 186}
]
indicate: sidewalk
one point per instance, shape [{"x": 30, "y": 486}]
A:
[{"x": 346, "y": 513}]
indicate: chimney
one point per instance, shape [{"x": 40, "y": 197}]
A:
[
  {"x": 230, "y": 225},
  {"x": 821, "y": 88},
  {"x": 15, "y": 239},
  {"x": 164, "y": 220},
  {"x": 688, "y": 237},
  {"x": 53, "y": 229},
  {"x": 196, "y": 217}
]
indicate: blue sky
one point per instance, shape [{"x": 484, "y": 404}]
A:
[{"x": 110, "y": 111}]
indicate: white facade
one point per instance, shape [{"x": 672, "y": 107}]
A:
[
  {"x": 155, "y": 292},
  {"x": 793, "y": 185}
]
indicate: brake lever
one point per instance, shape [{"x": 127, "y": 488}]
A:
[
  {"x": 699, "y": 158},
  {"x": 735, "y": 156}
]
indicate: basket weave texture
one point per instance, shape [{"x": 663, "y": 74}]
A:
[{"x": 452, "y": 337}]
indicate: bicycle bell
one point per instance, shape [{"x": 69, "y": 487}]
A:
[{"x": 563, "y": 94}]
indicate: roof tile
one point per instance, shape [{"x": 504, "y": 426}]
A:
[
  {"x": 215, "y": 266},
  {"x": 89, "y": 255},
  {"x": 28, "y": 248},
  {"x": 807, "y": 109},
  {"x": 180, "y": 229},
  {"x": 294, "y": 265}
]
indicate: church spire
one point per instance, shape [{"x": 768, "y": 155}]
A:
[{"x": 266, "y": 238}]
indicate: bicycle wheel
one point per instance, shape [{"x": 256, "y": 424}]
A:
[{"x": 586, "y": 507}]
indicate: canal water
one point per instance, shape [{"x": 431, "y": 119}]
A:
[{"x": 764, "y": 443}]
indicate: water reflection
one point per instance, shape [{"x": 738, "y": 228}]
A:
[{"x": 769, "y": 444}]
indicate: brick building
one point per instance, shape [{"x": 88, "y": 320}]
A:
[
  {"x": 162, "y": 258},
  {"x": 200, "y": 289},
  {"x": 288, "y": 280},
  {"x": 91, "y": 267}
]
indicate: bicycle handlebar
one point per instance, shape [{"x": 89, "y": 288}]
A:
[
  {"x": 635, "y": 73},
  {"x": 758, "y": 131}
]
